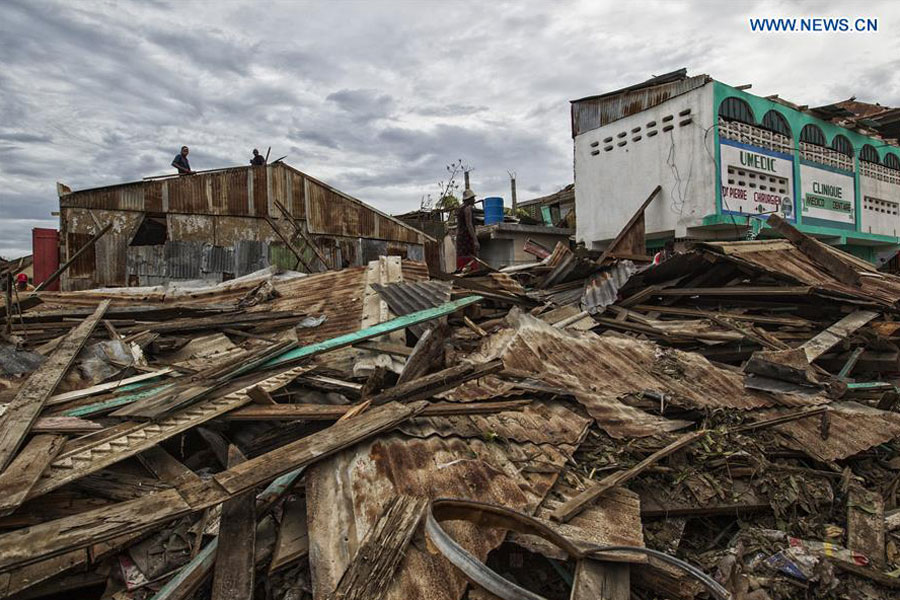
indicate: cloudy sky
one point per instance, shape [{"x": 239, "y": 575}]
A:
[{"x": 373, "y": 97}]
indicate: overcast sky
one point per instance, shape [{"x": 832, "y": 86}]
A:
[{"x": 372, "y": 97}]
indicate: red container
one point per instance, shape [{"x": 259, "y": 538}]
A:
[{"x": 45, "y": 249}]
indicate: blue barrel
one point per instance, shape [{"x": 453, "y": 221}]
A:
[{"x": 493, "y": 210}]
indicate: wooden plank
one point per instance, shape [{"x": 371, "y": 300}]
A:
[
  {"x": 595, "y": 580},
  {"x": 427, "y": 354},
  {"x": 736, "y": 290},
  {"x": 350, "y": 339},
  {"x": 822, "y": 342},
  {"x": 328, "y": 412},
  {"x": 62, "y": 269},
  {"x": 428, "y": 385},
  {"x": 865, "y": 524},
  {"x": 626, "y": 232},
  {"x": 26, "y": 469},
  {"x": 33, "y": 544},
  {"x": 371, "y": 573},
  {"x": 293, "y": 535},
  {"x": 105, "y": 387},
  {"x": 693, "y": 312},
  {"x": 572, "y": 507},
  {"x": 21, "y": 306},
  {"x": 166, "y": 467},
  {"x": 64, "y": 425},
  {"x": 234, "y": 573},
  {"x": 815, "y": 251},
  {"x": 28, "y": 403}
]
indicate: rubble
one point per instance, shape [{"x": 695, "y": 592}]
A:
[{"x": 723, "y": 424}]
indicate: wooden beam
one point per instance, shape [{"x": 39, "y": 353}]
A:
[
  {"x": 62, "y": 269},
  {"x": 692, "y": 312},
  {"x": 595, "y": 580},
  {"x": 428, "y": 353},
  {"x": 815, "y": 251},
  {"x": 637, "y": 218},
  {"x": 26, "y": 469},
  {"x": 428, "y": 385},
  {"x": 33, "y": 544},
  {"x": 575, "y": 505},
  {"x": 737, "y": 290},
  {"x": 293, "y": 535},
  {"x": 234, "y": 573},
  {"x": 822, "y": 342},
  {"x": 105, "y": 387},
  {"x": 28, "y": 403},
  {"x": 328, "y": 412}
]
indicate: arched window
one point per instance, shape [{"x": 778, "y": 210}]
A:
[
  {"x": 735, "y": 109},
  {"x": 775, "y": 121},
  {"x": 812, "y": 134},
  {"x": 891, "y": 161},
  {"x": 842, "y": 145},
  {"x": 869, "y": 154}
]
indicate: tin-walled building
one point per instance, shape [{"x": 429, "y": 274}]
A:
[
  {"x": 213, "y": 226},
  {"x": 726, "y": 158}
]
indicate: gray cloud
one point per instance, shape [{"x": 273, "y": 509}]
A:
[{"x": 375, "y": 98}]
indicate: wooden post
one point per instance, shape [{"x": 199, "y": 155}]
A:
[{"x": 512, "y": 192}]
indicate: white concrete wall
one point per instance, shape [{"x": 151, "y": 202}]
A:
[
  {"x": 612, "y": 184},
  {"x": 879, "y": 206}
]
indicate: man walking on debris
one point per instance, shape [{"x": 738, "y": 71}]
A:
[
  {"x": 181, "y": 163},
  {"x": 257, "y": 160},
  {"x": 467, "y": 245}
]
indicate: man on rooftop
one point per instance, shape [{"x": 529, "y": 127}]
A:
[
  {"x": 180, "y": 162},
  {"x": 257, "y": 160}
]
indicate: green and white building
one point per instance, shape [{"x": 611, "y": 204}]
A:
[{"x": 726, "y": 159}]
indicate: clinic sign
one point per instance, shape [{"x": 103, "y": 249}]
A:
[
  {"x": 827, "y": 197},
  {"x": 756, "y": 180}
]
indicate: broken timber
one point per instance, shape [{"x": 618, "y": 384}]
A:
[
  {"x": 574, "y": 506},
  {"x": 815, "y": 251},
  {"x": 233, "y": 577},
  {"x": 22, "y": 412},
  {"x": 628, "y": 239}
]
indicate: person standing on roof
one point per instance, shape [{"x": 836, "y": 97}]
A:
[
  {"x": 258, "y": 160},
  {"x": 181, "y": 163},
  {"x": 467, "y": 245}
]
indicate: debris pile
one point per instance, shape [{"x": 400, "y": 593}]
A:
[{"x": 723, "y": 424}]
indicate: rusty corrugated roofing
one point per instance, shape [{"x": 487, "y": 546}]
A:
[{"x": 852, "y": 428}]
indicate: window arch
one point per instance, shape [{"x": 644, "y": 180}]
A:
[
  {"x": 869, "y": 154},
  {"x": 775, "y": 121},
  {"x": 812, "y": 134},
  {"x": 891, "y": 161},
  {"x": 735, "y": 109},
  {"x": 841, "y": 144}
]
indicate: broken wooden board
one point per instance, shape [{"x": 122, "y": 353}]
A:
[
  {"x": 372, "y": 571},
  {"x": 293, "y": 534},
  {"x": 105, "y": 387},
  {"x": 865, "y": 524},
  {"x": 631, "y": 238},
  {"x": 24, "y": 409},
  {"x": 815, "y": 251},
  {"x": 571, "y": 508},
  {"x": 330, "y": 412},
  {"x": 72, "y": 465},
  {"x": 822, "y": 342},
  {"x": 234, "y": 572},
  {"x": 17, "y": 480}
]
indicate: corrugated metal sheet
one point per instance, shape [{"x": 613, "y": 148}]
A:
[
  {"x": 407, "y": 297},
  {"x": 348, "y": 491},
  {"x": 183, "y": 259},
  {"x": 600, "y": 370},
  {"x": 592, "y": 113},
  {"x": 787, "y": 263},
  {"x": 83, "y": 266},
  {"x": 852, "y": 428},
  {"x": 146, "y": 265},
  {"x": 250, "y": 256},
  {"x": 217, "y": 260},
  {"x": 602, "y": 289},
  {"x": 188, "y": 194}
]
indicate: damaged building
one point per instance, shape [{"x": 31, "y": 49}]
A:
[
  {"x": 726, "y": 159},
  {"x": 219, "y": 225}
]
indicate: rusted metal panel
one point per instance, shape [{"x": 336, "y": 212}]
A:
[
  {"x": 153, "y": 196},
  {"x": 111, "y": 249},
  {"x": 592, "y": 113},
  {"x": 145, "y": 265},
  {"x": 217, "y": 260},
  {"x": 851, "y": 428},
  {"x": 282, "y": 257},
  {"x": 190, "y": 228},
  {"x": 188, "y": 194},
  {"x": 260, "y": 193}
]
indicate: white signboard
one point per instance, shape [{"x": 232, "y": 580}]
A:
[
  {"x": 756, "y": 180},
  {"x": 827, "y": 196}
]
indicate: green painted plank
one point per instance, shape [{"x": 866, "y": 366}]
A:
[
  {"x": 90, "y": 409},
  {"x": 381, "y": 328}
]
